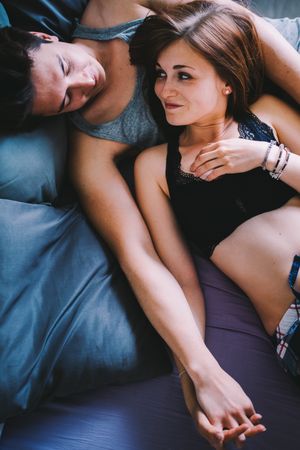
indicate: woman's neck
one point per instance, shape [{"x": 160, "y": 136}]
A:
[{"x": 203, "y": 133}]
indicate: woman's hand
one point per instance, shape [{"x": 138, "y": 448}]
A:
[
  {"x": 226, "y": 406},
  {"x": 228, "y": 156},
  {"x": 214, "y": 433}
]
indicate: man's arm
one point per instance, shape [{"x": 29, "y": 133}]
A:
[
  {"x": 282, "y": 61},
  {"x": 113, "y": 212}
]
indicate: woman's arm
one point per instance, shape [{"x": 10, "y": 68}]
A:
[
  {"x": 286, "y": 122},
  {"x": 237, "y": 155},
  {"x": 113, "y": 212},
  {"x": 282, "y": 61},
  {"x": 216, "y": 395}
]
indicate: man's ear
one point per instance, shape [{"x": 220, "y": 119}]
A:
[{"x": 45, "y": 36}]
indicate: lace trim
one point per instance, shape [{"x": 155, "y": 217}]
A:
[
  {"x": 260, "y": 127},
  {"x": 182, "y": 177}
]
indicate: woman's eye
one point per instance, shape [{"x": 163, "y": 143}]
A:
[
  {"x": 159, "y": 74},
  {"x": 184, "y": 76}
]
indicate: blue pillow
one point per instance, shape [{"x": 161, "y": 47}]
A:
[
  {"x": 69, "y": 320},
  {"x": 51, "y": 16},
  {"x": 4, "y": 21},
  {"x": 32, "y": 164}
]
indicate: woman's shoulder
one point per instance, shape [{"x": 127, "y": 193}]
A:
[
  {"x": 152, "y": 156},
  {"x": 152, "y": 160},
  {"x": 150, "y": 167}
]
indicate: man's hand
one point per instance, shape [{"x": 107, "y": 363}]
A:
[{"x": 215, "y": 434}]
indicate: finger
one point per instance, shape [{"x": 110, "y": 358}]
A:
[
  {"x": 237, "y": 431},
  {"x": 213, "y": 433},
  {"x": 248, "y": 416},
  {"x": 250, "y": 411},
  {"x": 233, "y": 433},
  {"x": 201, "y": 171},
  {"x": 209, "y": 148},
  {"x": 201, "y": 159},
  {"x": 254, "y": 430},
  {"x": 212, "y": 145},
  {"x": 256, "y": 418},
  {"x": 215, "y": 173}
]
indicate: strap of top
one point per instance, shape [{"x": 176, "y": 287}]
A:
[
  {"x": 294, "y": 273},
  {"x": 251, "y": 127},
  {"x": 124, "y": 31}
]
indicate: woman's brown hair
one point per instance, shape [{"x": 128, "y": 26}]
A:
[{"x": 225, "y": 37}]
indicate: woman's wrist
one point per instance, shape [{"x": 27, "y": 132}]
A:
[
  {"x": 201, "y": 373},
  {"x": 272, "y": 158}
]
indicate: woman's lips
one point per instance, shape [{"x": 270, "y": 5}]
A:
[{"x": 172, "y": 106}]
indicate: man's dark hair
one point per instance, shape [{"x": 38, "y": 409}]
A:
[{"x": 16, "y": 88}]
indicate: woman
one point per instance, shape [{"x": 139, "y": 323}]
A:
[
  {"x": 229, "y": 176},
  {"x": 61, "y": 84}
]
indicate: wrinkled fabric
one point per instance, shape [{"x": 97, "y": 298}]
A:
[
  {"x": 289, "y": 28},
  {"x": 151, "y": 415},
  {"x": 33, "y": 164},
  {"x": 51, "y": 16},
  {"x": 4, "y": 21},
  {"x": 68, "y": 319}
]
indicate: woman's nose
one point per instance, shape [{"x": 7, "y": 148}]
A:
[{"x": 167, "y": 89}]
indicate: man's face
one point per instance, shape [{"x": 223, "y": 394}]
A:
[{"x": 65, "y": 76}]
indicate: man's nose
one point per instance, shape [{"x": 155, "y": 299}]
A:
[{"x": 83, "y": 82}]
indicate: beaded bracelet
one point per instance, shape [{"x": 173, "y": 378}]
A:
[
  {"x": 278, "y": 164},
  {"x": 276, "y": 174},
  {"x": 265, "y": 160},
  {"x": 287, "y": 157}
]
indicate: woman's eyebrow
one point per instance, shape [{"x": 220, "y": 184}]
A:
[
  {"x": 183, "y": 66},
  {"x": 178, "y": 66}
]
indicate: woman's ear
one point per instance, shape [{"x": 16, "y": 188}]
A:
[
  {"x": 227, "y": 89},
  {"x": 45, "y": 36}
]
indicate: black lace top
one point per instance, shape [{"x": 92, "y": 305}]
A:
[{"x": 208, "y": 212}]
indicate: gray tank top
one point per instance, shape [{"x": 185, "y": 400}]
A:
[{"x": 135, "y": 125}]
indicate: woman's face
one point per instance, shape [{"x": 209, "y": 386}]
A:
[
  {"x": 189, "y": 87},
  {"x": 65, "y": 77}
]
